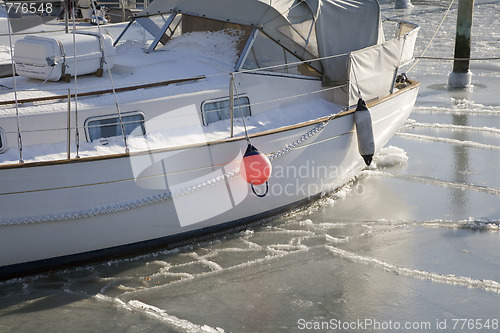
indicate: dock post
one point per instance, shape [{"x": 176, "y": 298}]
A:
[
  {"x": 402, "y": 4},
  {"x": 461, "y": 76},
  {"x": 66, "y": 6}
]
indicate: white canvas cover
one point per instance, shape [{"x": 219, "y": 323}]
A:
[
  {"x": 346, "y": 35},
  {"x": 343, "y": 26},
  {"x": 308, "y": 28},
  {"x": 52, "y": 58},
  {"x": 372, "y": 70},
  {"x": 409, "y": 31}
]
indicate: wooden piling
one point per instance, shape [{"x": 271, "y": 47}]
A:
[
  {"x": 463, "y": 36},
  {"x": 461, "y": 76},
  {"x": 402, "y": 4}
]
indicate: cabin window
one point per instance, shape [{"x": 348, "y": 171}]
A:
[
  {"x": 267, "y": 53},
  {"x": 109, "y": 126},
  {"x": 302, "y": 33},
  {"x": 3, "y": 143},
  {"x": 189, "y": 24},
  {"x": 156, "y": 31},
  {"x": 143, "y": 30},
  {"x": 216, "y": 110}
]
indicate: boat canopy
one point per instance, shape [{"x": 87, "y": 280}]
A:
[
  {"x": 310, "y": 29},
  {"x": 346, "y": 35}
]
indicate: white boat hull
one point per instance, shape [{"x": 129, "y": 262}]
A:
[{"x": 105, "y": 206}]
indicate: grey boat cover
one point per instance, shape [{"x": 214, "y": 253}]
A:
[{"x": 327, "y": 29}]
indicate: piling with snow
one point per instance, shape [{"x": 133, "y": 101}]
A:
[
  {"x": 461, "y": 76},
  {"x": 402, "y": 4}
]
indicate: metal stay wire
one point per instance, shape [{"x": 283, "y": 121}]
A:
[
  {"x": 19, "y": 137},
  {"x": 254, "y": 70},
  {"x": 233, "y": 86},
  {"x": 239, "y": 72},
  {"x": 77, "y": 132},
  {"x": 105, "y": 53}
]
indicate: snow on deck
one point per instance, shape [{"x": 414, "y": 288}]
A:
[{"x": 212, "y": 54}]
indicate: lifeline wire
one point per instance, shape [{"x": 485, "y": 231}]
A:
[
  {"x": 19, "y": 138},
  {"x": 355, "y": 77},
  {"x": 77, "y": 132},
  {"x": 157, "y": 198}
]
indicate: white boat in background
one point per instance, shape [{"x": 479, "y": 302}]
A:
[
  {"x": 51, "y": 16},
  {"x": 48, "y": 18},
  {"x": 149, "y": 151}
]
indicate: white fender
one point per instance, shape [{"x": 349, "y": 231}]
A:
[{"x": 364, "y": 131}]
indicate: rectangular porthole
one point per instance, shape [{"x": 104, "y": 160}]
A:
[
  {"x": 220, "y": 109},
  {"x": 3, "y": 142},
  {"x": 109, "y": 126}
]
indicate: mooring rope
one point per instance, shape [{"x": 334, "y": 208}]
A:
[
  {"x": 433, "y": 36},
  {"x": 455, "y": 59}
]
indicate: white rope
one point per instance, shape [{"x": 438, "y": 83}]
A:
[
  {"x": 432, "y": 38},
  {"x": 455, "y": 59}
]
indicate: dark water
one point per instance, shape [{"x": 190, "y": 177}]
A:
[{"x": 411, "y": 245}]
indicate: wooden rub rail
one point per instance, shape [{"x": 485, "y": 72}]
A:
[{"x": 101, "y": 92}]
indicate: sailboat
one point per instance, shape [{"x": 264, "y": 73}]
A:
[{"x": 201, "y": 116}]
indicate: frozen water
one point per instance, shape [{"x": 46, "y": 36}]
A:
[
  {"x": 390, "y": 156},
  {"x": 414, "y": 240}
]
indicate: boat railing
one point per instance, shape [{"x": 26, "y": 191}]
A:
[
  {"x": 123, "y": 10},
  {"x": 343, "y": 89},
  {"x": 56, "y": 97},
  {"x": 68, "y": 138},
  {"x": 404, "y": 27},
  {"x": 132, "y": 4}
]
